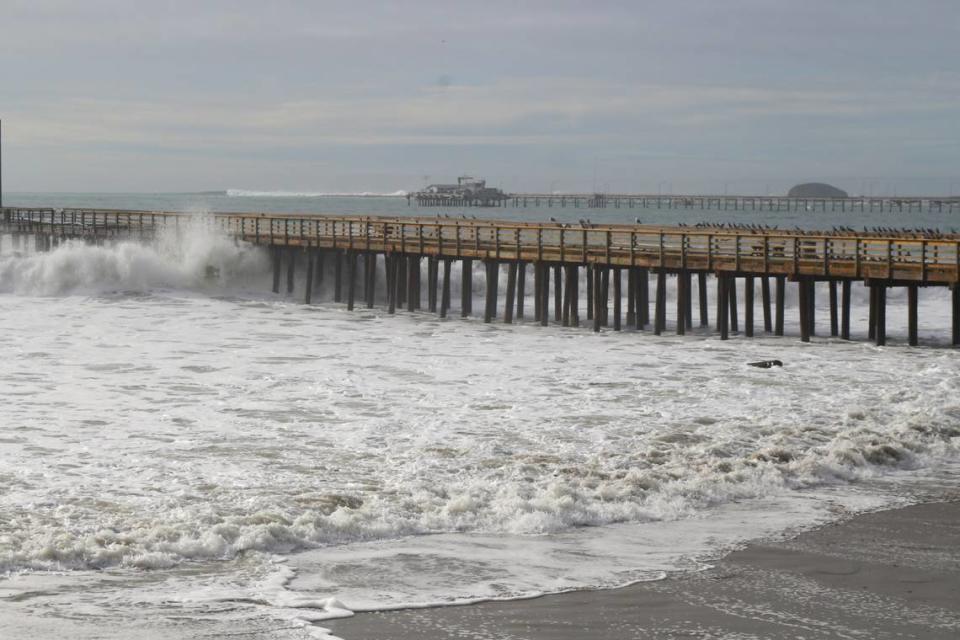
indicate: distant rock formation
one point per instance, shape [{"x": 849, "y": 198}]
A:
[{"x": 816, "y": 190}]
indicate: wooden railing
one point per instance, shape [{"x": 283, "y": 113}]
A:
[{"x": 894, "y": 257}]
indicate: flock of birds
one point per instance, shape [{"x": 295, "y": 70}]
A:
[{"x": 916, "y": 233}]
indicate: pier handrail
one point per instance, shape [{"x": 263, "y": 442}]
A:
[{"x": 888, "y": 256}]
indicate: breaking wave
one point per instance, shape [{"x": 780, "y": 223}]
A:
[{"x": 199, "y": 257}]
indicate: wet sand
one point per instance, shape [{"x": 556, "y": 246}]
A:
[{"x": 890, "y": 574}]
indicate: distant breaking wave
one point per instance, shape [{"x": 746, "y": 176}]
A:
[{"x": 245, "y": 193}]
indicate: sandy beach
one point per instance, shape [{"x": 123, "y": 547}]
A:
[{"x": 889, "y": 574}]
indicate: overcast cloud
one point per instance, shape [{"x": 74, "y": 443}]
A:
[{"x": 694, "y": 96}]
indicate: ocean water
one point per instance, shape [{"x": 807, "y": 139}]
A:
[
  {"x": 183, "y": 457},
  {"x": 394, "y": 204}
]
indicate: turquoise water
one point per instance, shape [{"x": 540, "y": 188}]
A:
[{"x": 392, "y": 205}]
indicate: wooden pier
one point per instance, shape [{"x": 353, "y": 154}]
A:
[
  {"x": 703, "y": 202},
  {"x": 355, "y": 251}
]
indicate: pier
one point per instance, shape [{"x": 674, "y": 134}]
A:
[
  {"x": 644, "y": 260},
  {"x": 700, "y": 202}
]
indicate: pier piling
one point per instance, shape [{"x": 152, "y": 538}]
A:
[
  {"x": 723, "y": 302},
  {"x": 616, "y": 298},
  {"x": 308, "y": 289},
  {"x": 834, "y": 313},
  {"x": 277, "y": 256},
  {"x": 765, "y": 301},
  {"x": 521, "y": 284},
  {"x": 660, "y": 307},
  {"x": 445, "y": 295},
  {"x": 702, "y": 295},
  {"x": 511, "y": 292},
  {"x": 337, "y": 276},
  {"x": 845, "y": 308},
  {"x": 466, "y": 288},
  {"x": 912, "y": 303},
  {"x": 780, "y": 283},
  {"x": 351, "y": 279},
  {"x": 557, "y": 294}
]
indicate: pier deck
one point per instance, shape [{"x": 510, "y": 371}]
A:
[{"x": 880, "y": 261}]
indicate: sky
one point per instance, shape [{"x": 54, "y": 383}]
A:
[{"x": 682, "y": 96}]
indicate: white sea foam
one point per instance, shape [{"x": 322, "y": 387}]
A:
[{"x": 153, "y": 429}]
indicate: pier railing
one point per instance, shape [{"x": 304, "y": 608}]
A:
[{"x": 894, "y": 257}]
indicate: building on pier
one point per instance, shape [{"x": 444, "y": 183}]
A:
[{"x": 468, "y": 191}]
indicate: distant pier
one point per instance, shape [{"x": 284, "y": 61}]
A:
[
  {"x": 706, "y": 203},
  {"x": 357, "y": 251}
]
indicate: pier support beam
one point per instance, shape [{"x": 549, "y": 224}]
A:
[
  {"x": 881, "y": 331},
  {"x": 521, "y": 285},
  {"x": 432, "y": 269},
  {"x": 594, "y": 287},
  {"x": 277, "y": 256},
  {"x": 803, "y": 295},
  {"x": 872, "y": 316},
  {"x": 631, "y": 296},
  {"x": 537, "y": 292},
  {"x": 291, "y": 268},
  {"x": 557, "y": 294},
  {"x": 575, "y": 295},
  {"x": 734, "y": 325},
  {"x": 748, "y": 306},
  {"x": 337, "y": 276},
  {"x": 955, "y": 304},
  {"x": 466, "y": 288},
  {"x": 371, "y": 279},
  {"x": 681, "y": 303},
  {"x": 511, "y": 292},
  {"x": 723, "y": 302},
  {"x": 493, "y": 273},
  {"x": 702, "y": 294},
  {"x": 445, "y": 294},
  {"x": 567, "y": 295},
  {"x": 616, "y": 299},
  {"x": 765, "y": 300},
  {"x": 643, "y": 298},
  {"x": 321, "y": 258},
  {"x": 590, "y": 291},
  {"x": 781, "y": 293},
  {"x": 660, "y": 312},
  {"x": 845, "y": 307},
  {"x": 812, "y": 307},
  {"x": 401, "y": 281},
  {"x": 912, "y": 303},
  {"x": 605, "y": 285},
  {"x": 351, "y": 278},
  {"x": 390, "y": 260},
  {"x": 308, "y": 290},
  {"x": 834, "y": 324},
  {"x": 545, "y": 293},
  {"x": 413, "y": 279}
]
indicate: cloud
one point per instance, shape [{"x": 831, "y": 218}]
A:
[{"x": 547, "y": 81}]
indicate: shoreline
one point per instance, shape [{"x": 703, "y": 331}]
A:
[{"x": 884, "y": 574}]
